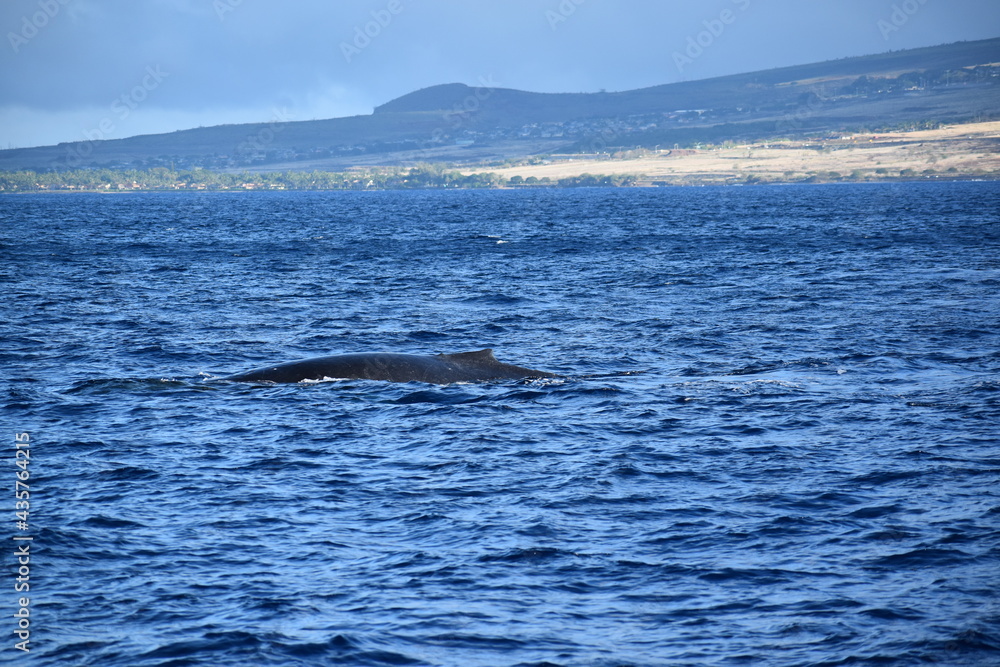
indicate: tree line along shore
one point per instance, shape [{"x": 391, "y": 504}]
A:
[{"x": 163, "y": 179}]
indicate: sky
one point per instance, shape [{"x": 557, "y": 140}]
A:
[{"x": 76, "y": 70}]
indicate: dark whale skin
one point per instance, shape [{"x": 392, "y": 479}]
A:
[{"x": 478, "y": 366}]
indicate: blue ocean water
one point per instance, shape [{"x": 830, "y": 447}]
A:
[{"x": 777, "y": 441}]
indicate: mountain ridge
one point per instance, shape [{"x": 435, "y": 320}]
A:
[{"x": 460, "y": 123}]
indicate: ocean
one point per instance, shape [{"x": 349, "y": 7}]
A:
[{"x": 775, "y": 441}]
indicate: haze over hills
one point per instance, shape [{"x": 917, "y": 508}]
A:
[{"x": 472, "y": 124}]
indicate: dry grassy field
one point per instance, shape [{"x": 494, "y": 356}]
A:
[{"x": 969, "y": 150}]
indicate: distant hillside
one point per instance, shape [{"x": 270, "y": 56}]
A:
[
  {"x": 459, "y": 123},
  {"x": 766, "y": 89}
]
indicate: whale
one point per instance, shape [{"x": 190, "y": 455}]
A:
[{"x": 479, "y": 366}]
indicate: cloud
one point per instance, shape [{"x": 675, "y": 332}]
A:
[{"x": 236, "y": 60}]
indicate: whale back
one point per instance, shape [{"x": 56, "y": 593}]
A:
[
  {"x": 480, "y": 357},
  {"x": 478, "y": 366}
]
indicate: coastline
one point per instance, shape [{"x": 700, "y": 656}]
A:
[{"x": 951, "y": 153}]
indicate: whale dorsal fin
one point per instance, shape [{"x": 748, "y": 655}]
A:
[{"x": 480, "y": 356}]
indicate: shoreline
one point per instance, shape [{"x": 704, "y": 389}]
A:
[
  {"x": 991, "y": 178},
  {"x": 966, "y": 152},
  {"x": 639, "y": 186}
]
